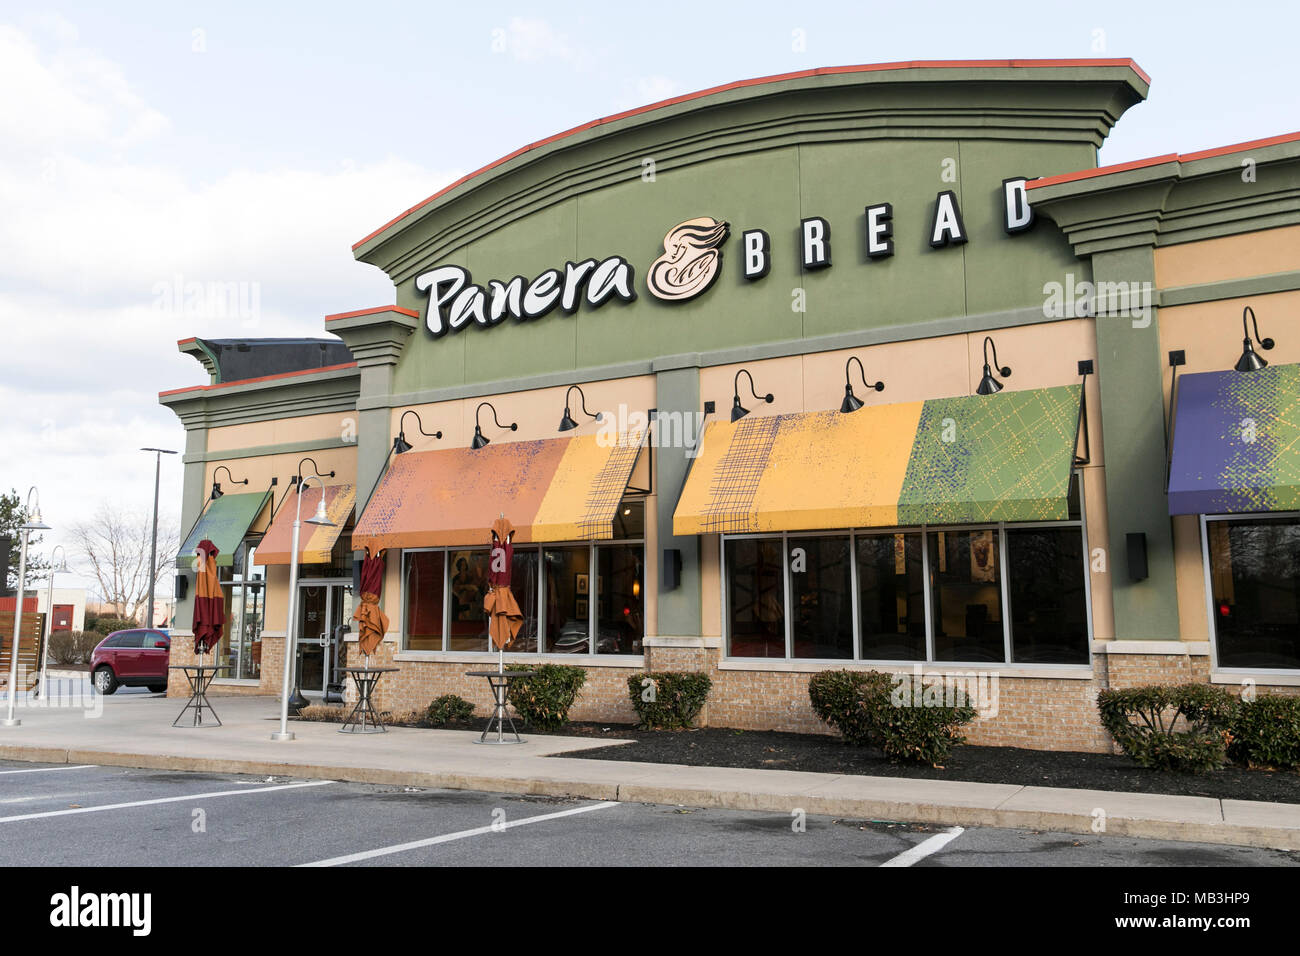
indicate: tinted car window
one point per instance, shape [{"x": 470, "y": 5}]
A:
[
  {"x": 114, "y": 641},
  {"x": 131, "y": 639}
]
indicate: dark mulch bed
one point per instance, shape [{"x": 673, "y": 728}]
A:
[{"x": 769, "y": 750}]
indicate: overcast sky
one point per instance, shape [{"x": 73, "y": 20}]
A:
[{"x": 146, "y": 144}]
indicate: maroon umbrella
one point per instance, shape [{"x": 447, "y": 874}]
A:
[
  {"x": 209, "y": 606},
  {"x": 373, "y": 622}
]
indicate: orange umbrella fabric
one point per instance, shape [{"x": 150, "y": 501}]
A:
[
  {"x": 504, "y": 617},
  {"x": 372, "y": 622},
  {"x": 209, "y": 605}
]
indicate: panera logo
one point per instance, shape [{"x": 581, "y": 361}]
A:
[{"x": 691, "y": 261}]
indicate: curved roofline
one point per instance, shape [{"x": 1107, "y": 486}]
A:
[{"x": 760, "y": 81}]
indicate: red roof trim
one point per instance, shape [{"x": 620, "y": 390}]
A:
[
  {"x": 262, "y": 378},
  {"x": 760, "y": 81},
  {"x": 192, "y": 338},
  {"x": 375, "y": 311},
  {"x": 1167, "y": 158}
]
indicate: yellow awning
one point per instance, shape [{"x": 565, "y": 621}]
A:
[
  {"x": 556, "y": 489},
  {"x": 315, "y": 542},
  {"x": 975, "y": 458}
]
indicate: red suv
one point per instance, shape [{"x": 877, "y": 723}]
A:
[{"x": 133, "y": 658}]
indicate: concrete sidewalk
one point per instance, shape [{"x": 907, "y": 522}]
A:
[{"x": 136, "y": 732}]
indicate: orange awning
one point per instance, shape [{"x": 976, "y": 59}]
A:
[
  {"x": 555, "y": 489},
  {"x": 315, "y": 542}
]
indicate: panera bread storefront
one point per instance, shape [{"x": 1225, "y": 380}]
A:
[{"x": 863, "y": 367}]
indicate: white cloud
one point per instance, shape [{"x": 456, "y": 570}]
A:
[
  {"x": 92, "y": 232},
  {"x": 530, "y": 40}
]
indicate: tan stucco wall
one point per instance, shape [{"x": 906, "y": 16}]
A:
[
  {"x": 280, "y": 431},
  {"x": 1230, "y": 257}
]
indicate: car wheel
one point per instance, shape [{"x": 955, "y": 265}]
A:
[
  {"x": 105, "y": 681},
  {"x": 157, "y": 688}
]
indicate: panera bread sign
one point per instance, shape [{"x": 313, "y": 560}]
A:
[{"x": 690, "y": 264}]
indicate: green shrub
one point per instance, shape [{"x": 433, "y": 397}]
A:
[
  {"x": 72, "y": 647},
  {"x": 544, "y": 699},
  {"x": 865, "y": 708},
  {"x": 1183, "y": 727},
  {"x": 668, "y": 700},
  {"x": 448, "y": 708},
  {"x": 1266, "y": 733},
  {"x": 107, "y": 625}
]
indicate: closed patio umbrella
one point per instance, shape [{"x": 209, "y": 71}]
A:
[
  {"x": 372, "y": 622},
  {"x": 504, "y": 617},
  {"x": 209, "y": 606}
]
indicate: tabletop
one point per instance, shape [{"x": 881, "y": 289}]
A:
[
  {"x": 499, "y": 674},
  {"x": 369, "y": 670}
]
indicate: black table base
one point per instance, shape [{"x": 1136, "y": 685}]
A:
[
  {"x": 499, "y": 681},
  {"x": 364, "y": 719},
  {"x": 200, "y": 677}
]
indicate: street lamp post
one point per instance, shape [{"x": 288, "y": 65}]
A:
[
  {"x": 290, "y": 638},
  {"x": 153, "y": 542},
  {"x": 55, "y": 568},
  {"x": 33, "y": 523}
]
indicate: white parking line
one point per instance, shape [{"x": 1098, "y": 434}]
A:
[
  {"x": 148, "y": 803},
  {"x": 449, "y": 837},
  {"x": 84, "y": 766},
  {"x": 926, "y": 847}
]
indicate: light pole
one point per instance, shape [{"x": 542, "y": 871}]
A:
[
  {"x": 33, "y": 523},
  {"x": 290, "y": 638},
  {"x": 153, "y": 543},
  {"x": 49, "y": 615}
]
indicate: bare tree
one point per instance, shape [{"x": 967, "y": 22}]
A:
[{"x": 115, "y": 544}]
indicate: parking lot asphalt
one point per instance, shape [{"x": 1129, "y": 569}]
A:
[{"x": 61, "y": 815}]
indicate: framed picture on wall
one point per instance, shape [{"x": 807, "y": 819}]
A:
[
  {"x": 580, "y": 609},
  {"x": 580, "y": 583}
]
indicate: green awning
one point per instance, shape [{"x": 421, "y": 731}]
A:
[{"x": 225, "y": 523}]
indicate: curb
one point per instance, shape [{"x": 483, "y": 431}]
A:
[{"x": 1268, "y": 837}]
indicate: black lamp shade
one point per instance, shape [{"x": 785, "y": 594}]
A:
[
  {"x": 400, "y": 444},
  {"x": 1250, "y": 360},
  {"x": 478, "y": 441},
  {"x": 738, "y": 411},
  {"x": 567, "y": 424},
  {"x": 216, "y": 491},
  {"x": 851, "y": 402},
  {"x": 988, "y": 384}
]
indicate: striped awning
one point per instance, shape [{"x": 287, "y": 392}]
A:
[
  {"x": 315, "y": 542},
  {"x": 1237, "y": 442},
  {"x": 976, "y": 458},
  {"x": 558, "y": 489},
  {"x": 225, "y": 523}
]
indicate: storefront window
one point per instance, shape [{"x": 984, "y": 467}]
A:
[
  {"x": 569, "y": 589},
  {"x": 966, "y": 595},
  {"x": 920, "y": 595},
  {"x": 620, "y": 598},
  {"x": 425, "y": 571},
  {"x": 469, "y": 585},
  {"x": 239, "y": 649},
  {"x": 1045, "y": 586},
  {"x": 755, "y": 597},
  {"x": 821, "y": 596},
  {"x": 891, "y": 595},
  {"x": 1254, "y": 567}
]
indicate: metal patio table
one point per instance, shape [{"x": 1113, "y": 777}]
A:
[
  {"x": 199, "y": 676},
  {"x": 364, "y": 719},
  {"x": 499, "y": 681}
]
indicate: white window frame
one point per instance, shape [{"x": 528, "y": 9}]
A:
[
  {"x": 1212, "y": 620},
  {"x": 927, "y": 593}
]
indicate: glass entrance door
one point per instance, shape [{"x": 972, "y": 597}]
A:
[{"x": 323, "y": 606}]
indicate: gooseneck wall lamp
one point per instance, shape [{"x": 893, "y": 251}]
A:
[
  {"x": 479, "y": 440},
  {"x": 851, "y": 402},
  {"x": 1250, "y": 359},
  {"x": 33, "y": 523},
  {"x": 298, "y": 479},
  {"x": 988, "y": 384},
  {"x": 567, "y": 424},
  {"x": 400, "y": 444},
  {"x": 739, "y": 411},
  {"x": 216, "y": 486}
]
